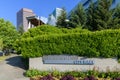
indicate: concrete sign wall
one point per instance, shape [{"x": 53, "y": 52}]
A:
[{"x": 101, "y": 64}]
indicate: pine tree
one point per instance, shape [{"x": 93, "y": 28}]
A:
[
  {"x": 99, "y": 15},
  {"x": 78, "y": 16},
  {"x": 90, "y": 23},
  {"x": 103, "y": 15},
  {"x": 116, "y": 18},
  {"x": 61, "y": 20}
]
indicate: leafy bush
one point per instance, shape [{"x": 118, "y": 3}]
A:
[
  {"x": 71, "y": 75},
  {"x": 56, "y": 73},
  {"x": 101, "y": 75},
  {"x": 67, "y": 77},
  {"x": 92, "y": 72},
  {"x": 8, "y": 34},
  {"x": 69, "y": 41},
  {"x": 44, "y": 73},
  {"x": 48, "y": 30},
  {"x": 33, "y": 72}
]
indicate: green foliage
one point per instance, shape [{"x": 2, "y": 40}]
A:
[
  {"x": 8, "y": 33},
  {"x": 41, "y": 30},
  {"x": 33, "y": 72},
  {"x": 116, "y": 18},
  {"x": 44, "y": 73},
  {"x": 92, "y": 72},
  {"x": 96, "y": 74},
  {"x": 100, "y": 16},
  {"x": 103, "y": 14},
  {"x": 56, "y": 73},
  {"x": 77, "y": 17},
  {"x": 91, "y": 17},
  {"x": 112, "y": 75},
  {"x": 61, "y": 19},
  {"x": 117, "y": 11},
  {"x": 101, "y": 75},
  {"x": 1, "y": 45},
  {"x": 69, "y": 41},
  {"x": 74, "y": 73}
]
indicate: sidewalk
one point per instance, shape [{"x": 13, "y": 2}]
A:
[
  {"x": 12, "y": 68},
  {"x": 23, "y": 79}
]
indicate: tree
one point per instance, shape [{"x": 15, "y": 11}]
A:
[
  {"x": 100, "y": 15},
  {"x": 117, "y": 11},
  {"x": 103, "y": 14},
  {"x": 61, "y": 20},
  {"x": 90, "y": 23},
  {"x": 8, "y": 33},
  {"x": 116, "y": 18},
  {"x": 1, "y": 44},
  {"x": 78, "y": 16}
]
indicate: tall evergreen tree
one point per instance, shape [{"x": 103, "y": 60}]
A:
[
  {"x": 116, "y": 18},
  {"x": 61, "y": 20},
  {"x": 117, "y": 11},
  {"x": 103, "y": 14},
  {"x": 99, "y": 15},
  {"x": 78, "y": 17},
  {"x": 90, "y": 23}
]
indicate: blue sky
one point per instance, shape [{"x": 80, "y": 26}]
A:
[{"x": 9, "y": 8}]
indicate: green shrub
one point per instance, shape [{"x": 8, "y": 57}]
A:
[
  {"x": 47, "y": 30},
  {"x": 45, "y": 40},
  {"x": 92, "y": 72},
  {"x": 44, "y": 73},
  {"x": 57, "y": 74},
  {"x": 101, "y": 75},
  {"x": 32, "y": 73}
]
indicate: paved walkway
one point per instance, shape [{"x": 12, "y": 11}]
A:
[{"x": 12, "y": 68}]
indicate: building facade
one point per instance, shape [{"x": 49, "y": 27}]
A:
[
  {"x": 27, "y": 19},
  {"x": 52, "y": 19},
  {"x": 21, "y": 18}
]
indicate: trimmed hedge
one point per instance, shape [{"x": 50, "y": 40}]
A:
[
  {"x": 104, "y": 43},
  {"x": 47, "y": 29}
]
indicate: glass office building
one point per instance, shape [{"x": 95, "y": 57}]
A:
[{"x": 52, "y": 19}]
